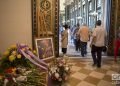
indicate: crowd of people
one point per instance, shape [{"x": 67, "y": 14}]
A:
[{"x": 80, "y": 35}]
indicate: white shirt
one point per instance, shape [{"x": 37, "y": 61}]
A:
[{"x": 100, "y": 33}]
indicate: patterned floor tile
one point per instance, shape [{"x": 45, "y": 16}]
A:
[
  {"x": 115, "y": 66},
  {"x": 84, "y": 74},
  {"x": 75, "y": 68},
  {"x": 73, "y": 81},
  {"x": 116, "y": 69},
  {"x": 105, "y": 83},
  {"x": 107, "y": 78},
  {"x": 97, "y": 74},
  {"x": 79, "y": 76},
  {"x": 80, "y": 64},
  {"x": 111, "y": 72},
  {"x": 85, "y": 84},
  {"x": 85, "y": 71},
  {"x": 107, "y": 67},
  {"x": 101, "y": 70},
  {"x": 85, "y": 62},
  {"x": 92, "y": 80},
  {"x": 89, "y": 67}
]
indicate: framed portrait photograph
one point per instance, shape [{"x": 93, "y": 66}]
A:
[{"x": 44, "y": 47}]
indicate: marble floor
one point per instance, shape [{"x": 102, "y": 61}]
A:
[{"x": 84, "y": 74}]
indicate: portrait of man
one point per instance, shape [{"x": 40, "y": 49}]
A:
[{"x": 44, "y": 48}]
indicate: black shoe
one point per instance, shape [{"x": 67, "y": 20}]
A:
[{"x": 98, "y": 66}]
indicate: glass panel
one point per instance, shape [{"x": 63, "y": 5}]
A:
[
  {"x": 98, "y": 3},
  {"x": 90, "y": 6}
]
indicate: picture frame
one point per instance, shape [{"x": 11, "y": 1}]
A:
[{"x": 44, "y": 47}]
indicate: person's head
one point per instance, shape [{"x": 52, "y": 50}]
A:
[
  {"x": 66, "y": 26},
  {"x": 98, "y": 23}
]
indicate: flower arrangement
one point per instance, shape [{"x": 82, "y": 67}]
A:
[
  {"x": 19, "y": 68},
  {"x": 13, "y": 58},
  {"x": 59, "y": 70}
]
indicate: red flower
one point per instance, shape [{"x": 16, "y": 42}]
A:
[{"x": 9, "y": 70}]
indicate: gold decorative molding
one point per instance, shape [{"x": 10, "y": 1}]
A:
[
  {"x": 45, "y": 17},
  {"x": 45, "y": 20},
  {"x": 114, "y": 25}
]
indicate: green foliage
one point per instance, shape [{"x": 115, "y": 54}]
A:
[
  {"x": 12, "y": 60},
  {"x": 36, "y": 78}
]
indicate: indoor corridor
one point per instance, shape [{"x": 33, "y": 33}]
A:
[
  {"x": 82, "y": 71},
  {"x": 71, "y": 52}
]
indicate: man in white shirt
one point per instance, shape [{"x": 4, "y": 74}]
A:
[{"x": 97, "y": 43}]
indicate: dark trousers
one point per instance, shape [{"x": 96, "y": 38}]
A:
[
  {"x": 96, "y": 55},
  {"x": 64, "y": 50},
  {"x": 83, "y": 48},
  {"x": 77, "y": 45}
]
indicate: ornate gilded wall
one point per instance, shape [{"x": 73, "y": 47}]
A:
[
  {"x": 45, "y": 21},
  {"x": 114, "y": 25}
]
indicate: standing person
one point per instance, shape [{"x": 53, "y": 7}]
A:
[
  {"x": 73, "y": 34},
  {"x": 97, "y": 43},
  {"x": 84, "y": 37},
  {"x": 76, "y": 38},
  {"x": 64, "y": 40}
]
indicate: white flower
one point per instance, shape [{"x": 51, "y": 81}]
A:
[
  {"x": 57, "y": 75},
  {"x": 14, "y": 79},
  {"x": 66, "y": 68},
  {"x": 60, "y": 64},
  {"x": 53, "y": 69},
  {"x": 27, "y": 72},
  {"x": 21, "y": 78},
  {"x": 5, "y": 82}
]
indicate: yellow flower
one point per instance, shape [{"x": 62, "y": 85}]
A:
[
  {"x": 14, "y": 53},
  {"x": 34, "y": 51},
  {"x": 6, "y": 53},
  {"x": 19, "y": 56},
  {"x": 13, "y": 46},
  {"x": 11, "y": 58}
]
